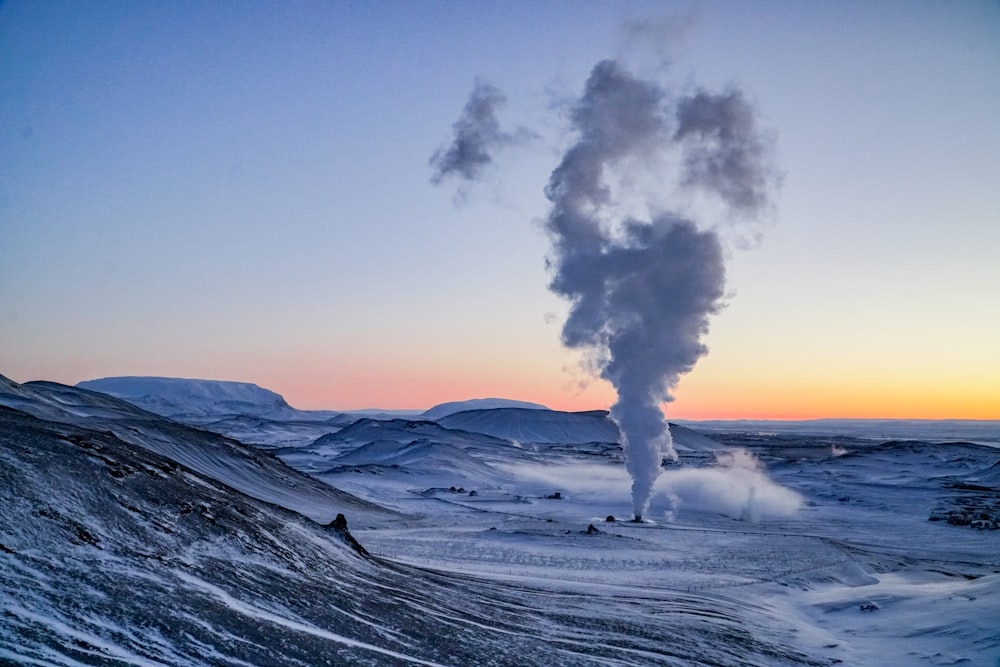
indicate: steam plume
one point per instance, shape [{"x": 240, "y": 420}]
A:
[
  {"x": 725, "y": 153},
  {"x": 641, "y": 291},
  {"x": 736, "y": 485},
  {"x": 476, "y": 135}
]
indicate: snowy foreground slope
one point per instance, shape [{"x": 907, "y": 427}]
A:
[
  {"x": 114, "y": 554},
  {"x": 244, "y": 468},
  {"x": 483, "y": 548}
]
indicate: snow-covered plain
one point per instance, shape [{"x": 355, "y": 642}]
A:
[{"x": 130, "y": 539}]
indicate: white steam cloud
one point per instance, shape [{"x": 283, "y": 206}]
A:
[
  {"x": 642, "y": 288},
  {"x": 736, "y": 486},
  {"x": 477, "y": 135}
]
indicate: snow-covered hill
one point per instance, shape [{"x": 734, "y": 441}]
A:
[
  {"x": 543, "y": 426},
  {"x": 180, "y": 397},
  {"x": 535, "y": 426},
  {"x": 432, "y": 460},
  {"x": 230, "y": 462},
  {"x": 445, "y": 409},
  {"x": 50, "y": 400},
  {"x": 419, "y": 449},
  {"x": 367, "y": 430}
]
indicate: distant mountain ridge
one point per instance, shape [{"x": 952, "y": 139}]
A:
[
  {"x": 445, "y": 409},
  {"x": 536, "y": 426},
  {"x": 172, "y": 397},
  {"x": 555, "y": 427},
  {"x": 195, "y": 398},
  {"x": 202, "y": 402},
  {"x": 984, "y": 431}
]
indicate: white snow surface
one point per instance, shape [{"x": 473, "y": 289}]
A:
[
  {"x": 760, "y": 547},
  {"x": 847, "y": 542}
]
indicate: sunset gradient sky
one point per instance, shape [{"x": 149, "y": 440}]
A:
[{"x": 241, "y": 191}]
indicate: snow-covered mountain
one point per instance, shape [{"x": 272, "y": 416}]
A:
[
  {"x": 535, "y": 426},
  {"x": 445, "y": 409},
  {"x": 180, "y": 397}
]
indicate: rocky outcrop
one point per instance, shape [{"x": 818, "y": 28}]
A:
[{"x": 339, "y": 526}]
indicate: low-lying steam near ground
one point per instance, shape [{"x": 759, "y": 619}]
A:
[{"x": 735, "y": 485}]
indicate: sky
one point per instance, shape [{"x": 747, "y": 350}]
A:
[{"x": 242, "y": 191}]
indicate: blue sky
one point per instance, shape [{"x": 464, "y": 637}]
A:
[{"x": 241, "y": 191}]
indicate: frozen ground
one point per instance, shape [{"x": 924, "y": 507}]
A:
[
  {"x": 855, "y": 567},
  {"x": 127, "y": 539}
]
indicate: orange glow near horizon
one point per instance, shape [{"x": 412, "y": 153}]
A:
[
  {"x": 712, "y": 391},
  {"x": 399, "y": 385},
  {"x": 422, "y": 391},
  {"x": 785, "y": 400},
  {"x": 860, "y": 399}
]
